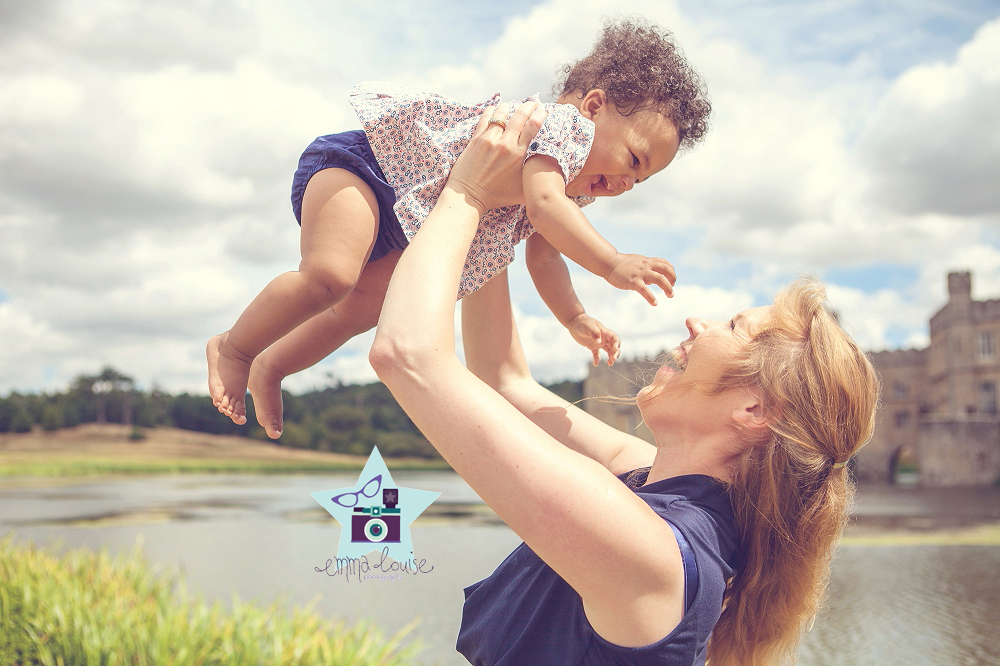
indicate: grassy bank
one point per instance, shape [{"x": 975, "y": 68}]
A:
[
  {"x": 110, "y": 449},
  {"x": 87, "y": 608},
  {"x": 979, "y": 535}
]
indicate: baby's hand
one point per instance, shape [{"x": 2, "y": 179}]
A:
[
  {"x": 634, "y": 271},
  {"x": 593, "y": 335}
]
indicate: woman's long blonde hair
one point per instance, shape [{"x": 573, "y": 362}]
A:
[{"x": 819, "y": 393}]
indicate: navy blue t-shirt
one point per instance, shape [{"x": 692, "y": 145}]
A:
[{"x": 525, "y": 614}]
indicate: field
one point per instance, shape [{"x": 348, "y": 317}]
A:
[{"x": 99, "y": 449}]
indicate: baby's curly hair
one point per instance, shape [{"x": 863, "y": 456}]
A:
[{"x": 639, "y": 67}]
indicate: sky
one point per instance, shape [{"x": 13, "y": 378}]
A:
[{"x": 147, "y": 150}]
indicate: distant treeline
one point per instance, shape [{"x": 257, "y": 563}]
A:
[{"x": 342, "y": 419}]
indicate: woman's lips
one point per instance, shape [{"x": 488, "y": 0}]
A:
[{"x": 666, "y": 371}]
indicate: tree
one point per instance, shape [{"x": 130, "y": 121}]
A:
[
  {"x": 52, "y": 418},
  {"x": 7, "y": 412},
  {"x": 107, "y": 383}
]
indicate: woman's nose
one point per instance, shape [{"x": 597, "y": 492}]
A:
[{"x": 695, "y": 325}]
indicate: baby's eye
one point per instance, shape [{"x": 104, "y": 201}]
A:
[
  {"x": 732, "y": 324},
  {"x": 635, "y": 160}
]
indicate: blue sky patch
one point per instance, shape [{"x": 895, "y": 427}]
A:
[
  {"x": 896, "y": 337},
  {"x": 874, "y": 277},
  {"x": 892, "y": 36}
]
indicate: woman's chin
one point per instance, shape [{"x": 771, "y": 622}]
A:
[
  {"x": 666, "y": 373},
  {"x": 662, "y": 377}
]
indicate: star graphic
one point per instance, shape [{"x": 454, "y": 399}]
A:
[{"x": 367, "y": 494}]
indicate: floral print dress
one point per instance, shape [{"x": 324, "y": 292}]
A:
[{"x": 417, "y": 137}]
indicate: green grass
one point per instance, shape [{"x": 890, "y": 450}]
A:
[
  {"x": 99, "y": 467},
  {"x": 90, "y": 608},
  {"x": 981, "y": 535}
]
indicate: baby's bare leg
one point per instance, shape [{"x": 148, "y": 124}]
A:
[
  {"x": 316, "y": 339},
  {"x": 339, "y": 225}
]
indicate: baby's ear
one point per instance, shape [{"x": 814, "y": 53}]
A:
[{"x": 593, "y": 102}]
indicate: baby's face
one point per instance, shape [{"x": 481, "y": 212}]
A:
[{"x": 626, "y": 150}]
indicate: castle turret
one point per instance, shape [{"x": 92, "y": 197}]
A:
[
  {"x": 960, "y": 287},
  {"x": 959, "y": 305}
]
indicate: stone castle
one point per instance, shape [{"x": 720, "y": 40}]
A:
[{"x": 939, "y": 407}]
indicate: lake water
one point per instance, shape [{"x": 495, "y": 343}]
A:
[{"x": 263, "y": 538}]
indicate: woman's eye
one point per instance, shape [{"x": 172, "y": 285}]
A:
[{"x": 732, "y": 324}]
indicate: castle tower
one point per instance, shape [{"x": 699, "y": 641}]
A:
[
  {"x": 952, "y": 362},
  {"x": 960, "y": 436}
]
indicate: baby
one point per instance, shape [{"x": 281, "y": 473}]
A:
[{"x": 621, "y": 116}]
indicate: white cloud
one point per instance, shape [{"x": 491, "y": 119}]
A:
[
  {"x": 146, "y": 153},
  {"x": 934, "y": 142},
  {"x": 38, "y": 98},
  {"x": 868, "y": 317}
]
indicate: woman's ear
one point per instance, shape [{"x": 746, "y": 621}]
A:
[
  {"x": 593, "y": 102},
  {"x": 749, "y": 415}
]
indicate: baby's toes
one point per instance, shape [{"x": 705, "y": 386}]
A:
[{"x": 239, "y": 415}]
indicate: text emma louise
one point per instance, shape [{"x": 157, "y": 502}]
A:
[{"x": 356, "y": 566}]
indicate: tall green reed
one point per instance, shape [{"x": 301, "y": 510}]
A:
[{"x": 93, "y": 609}]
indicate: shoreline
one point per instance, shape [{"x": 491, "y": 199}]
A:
[{"x": 95, "y": 452}]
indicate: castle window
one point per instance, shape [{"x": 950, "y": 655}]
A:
[
  {"x": 902, "y": 419},
  {"x": 988, "y": 398},
  {"x": 899, "y": 389},
  {"x": 986, "y": 348}
]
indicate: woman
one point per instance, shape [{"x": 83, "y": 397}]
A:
[{"x": 746, "y": 481}]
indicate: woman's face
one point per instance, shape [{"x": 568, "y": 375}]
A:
[{"x": 679, "y": 391}]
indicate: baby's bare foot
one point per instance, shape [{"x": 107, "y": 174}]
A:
[
  {"x": 228, "y": 370},
  {"x": 265, "y": 387}
]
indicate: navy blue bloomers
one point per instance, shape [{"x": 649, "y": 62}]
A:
[{"x": 350, "y": 151}]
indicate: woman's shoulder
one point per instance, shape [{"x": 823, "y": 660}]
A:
[
  {"x": 697, "y": 507},
  {"x": 696, "y": 504}
]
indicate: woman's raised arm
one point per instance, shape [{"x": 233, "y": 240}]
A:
[
  {"x": 599, "y": 536},
  {"x": 493, "y": 353}
]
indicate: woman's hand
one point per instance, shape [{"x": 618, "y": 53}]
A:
[{"x": 488, "y": 172}]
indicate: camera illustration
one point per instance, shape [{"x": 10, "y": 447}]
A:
[{"x": 377, "y": 524}]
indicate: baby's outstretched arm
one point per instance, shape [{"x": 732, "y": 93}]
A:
[
  {"x": 551, "y": 277},
  {"x": 565, "y": 226}
]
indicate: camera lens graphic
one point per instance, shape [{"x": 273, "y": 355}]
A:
[{"x": 376, "y": 529}]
